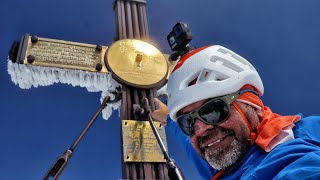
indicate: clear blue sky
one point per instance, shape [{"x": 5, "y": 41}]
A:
[{"x": 280, "y": 38}]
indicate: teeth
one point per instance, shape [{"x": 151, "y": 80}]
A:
[
  {"x": 214, "y": 142},
  {"x": 210, "y": 144}
]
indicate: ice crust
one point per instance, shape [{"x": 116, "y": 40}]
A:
[{"x": 28, "y": 76}]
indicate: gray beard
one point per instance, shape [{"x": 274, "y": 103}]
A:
[{"x": 223, "y": 159}]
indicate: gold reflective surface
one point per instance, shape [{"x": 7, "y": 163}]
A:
[
  {"x": 65, "y": 54},
  {"x": 136, "y": 62},
  {"x": 139, "y": 142},
  {"x": 171, "y": 64}
]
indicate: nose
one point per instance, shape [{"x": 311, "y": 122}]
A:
[{"x": 200, "y": 127}]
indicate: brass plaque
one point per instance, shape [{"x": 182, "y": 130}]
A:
[
  {"x": 136, "y": 63},
  {"x": 139, "y": 142},
  {"x": 65, "y": 54}
]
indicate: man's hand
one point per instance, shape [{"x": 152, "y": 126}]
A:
[{"x": 161, "y": 113}]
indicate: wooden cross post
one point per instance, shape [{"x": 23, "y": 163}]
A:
[{"x": 132, "y": 24}]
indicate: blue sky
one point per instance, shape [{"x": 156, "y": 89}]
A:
[{"x": 280, "y": 38}]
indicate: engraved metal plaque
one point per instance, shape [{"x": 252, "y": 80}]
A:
[
  {"x": 65, "y": 54},
  {"x": 139, "y": 142},
  {"x": 136, "y": 63}
]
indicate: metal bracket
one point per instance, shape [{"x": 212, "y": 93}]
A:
[{"x": 117, "y": 95}]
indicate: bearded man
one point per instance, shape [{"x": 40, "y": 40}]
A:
[{"x": 214, "y": 98}]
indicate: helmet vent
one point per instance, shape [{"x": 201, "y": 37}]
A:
[
  {"x": 190, "y": 81},
  {"x": 237, "y": 57},
  {"x": 194, "y": 81},
  {"x": 223, "y": 62},
  {"x": 211, "y": 75}
]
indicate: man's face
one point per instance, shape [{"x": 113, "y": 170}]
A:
[{"x": 223, "y": 144}]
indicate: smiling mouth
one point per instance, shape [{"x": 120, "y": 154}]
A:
[
  {"x": 209, "y": 142},
  {"x": 217, "y": 141}
]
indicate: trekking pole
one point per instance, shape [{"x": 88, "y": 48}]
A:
[
  {"x": 173, "y": 171},
  {"x": 61, "y": 163}
]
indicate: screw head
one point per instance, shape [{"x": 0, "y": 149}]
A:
[
  {"x": 98, "y": 48},
  {"x": 98, "y": 66},
  {"x": 34, "y": 39},
  {"x": 30, "y": 59}
]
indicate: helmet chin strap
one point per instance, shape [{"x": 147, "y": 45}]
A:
[{"x": 253, "y": 135}]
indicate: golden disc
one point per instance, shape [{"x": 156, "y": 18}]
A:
[{"x": 136, "y": 63}]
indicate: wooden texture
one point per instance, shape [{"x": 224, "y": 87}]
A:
[{"x": 132, "y": 23}]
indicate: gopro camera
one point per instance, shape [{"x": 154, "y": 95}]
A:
[{"x": 179, "y": 39}]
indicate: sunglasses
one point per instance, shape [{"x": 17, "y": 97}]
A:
[{"x": 213, "y": 112}]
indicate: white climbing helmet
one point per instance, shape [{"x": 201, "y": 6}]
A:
[{"x": 218, "y": 71}]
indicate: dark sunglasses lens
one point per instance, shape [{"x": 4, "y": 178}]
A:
[
  {"x": 214, "y": 112},
  {"x": 186, "y": 124}
]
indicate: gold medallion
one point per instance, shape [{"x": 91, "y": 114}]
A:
[{"x": 136, "y": 63}]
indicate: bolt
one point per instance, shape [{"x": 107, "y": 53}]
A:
[
  {"x": 34, "y": 39},
  {"x": 142, "y": 111},
  {"x": 30, "y": 59},
  {"x": 98, "y": 48},
  {"x": 98, "y": 66},
  {"x": 136, "y": 109}
]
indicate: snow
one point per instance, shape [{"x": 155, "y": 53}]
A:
[{"x": 28, "y": 76}]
